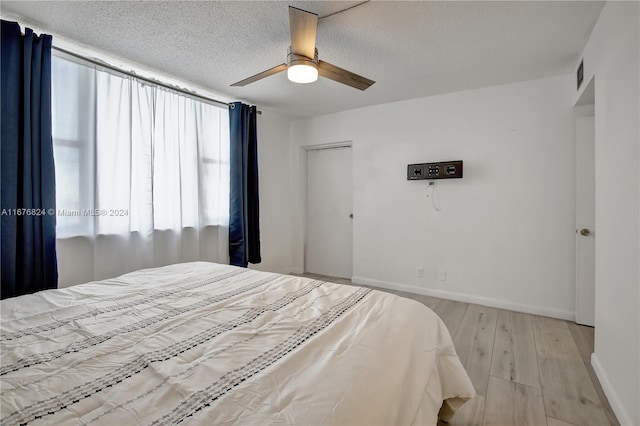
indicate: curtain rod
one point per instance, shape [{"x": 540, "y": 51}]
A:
[{"x": 145, "y": 79}]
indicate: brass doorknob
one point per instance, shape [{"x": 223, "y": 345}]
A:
[{"x": 585, "y": 232}]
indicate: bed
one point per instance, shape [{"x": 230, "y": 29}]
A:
[{"x": 203, "y": 343}]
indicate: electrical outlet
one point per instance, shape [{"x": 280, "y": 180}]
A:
[
  {"x": 419, "y": 272},
  {"x": 443, "y": 276}
]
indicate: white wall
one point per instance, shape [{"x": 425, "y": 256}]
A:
[
  {"x": 505, "y": 235},
  {"x": 275, "y": 213},
  {"x": 611, "y": 57}
]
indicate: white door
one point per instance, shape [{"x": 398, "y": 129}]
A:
[
  {"x": 329, "y": 212},
  {"x": 585, "y": 221}
]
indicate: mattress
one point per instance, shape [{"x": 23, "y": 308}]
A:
[{"x": 203, "y": 343}]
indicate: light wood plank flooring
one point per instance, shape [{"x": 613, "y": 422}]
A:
[{"x": 527, "y": 369}]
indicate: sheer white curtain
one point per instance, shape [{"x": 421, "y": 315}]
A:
[{"x": 145, "y": 168}]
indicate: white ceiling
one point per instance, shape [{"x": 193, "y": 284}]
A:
[{"x": 410, "y": 48}]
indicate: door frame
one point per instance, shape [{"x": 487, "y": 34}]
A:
[{"x": 304, "y": 185}]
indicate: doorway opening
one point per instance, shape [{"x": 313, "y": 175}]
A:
[
  {"x": 585, "y": 207},
  {"x": 329, "y": 210}
]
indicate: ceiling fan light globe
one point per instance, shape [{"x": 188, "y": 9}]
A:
[{"x": 302, "y": 73}]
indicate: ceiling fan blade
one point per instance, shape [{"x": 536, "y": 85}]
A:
[
  {"x": 261, "y": 75},
  {"x": 303, "y": 26},
  {"x": 343, "y": 76}
]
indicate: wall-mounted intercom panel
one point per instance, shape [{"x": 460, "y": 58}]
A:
[{"x": 441, "y": 170}]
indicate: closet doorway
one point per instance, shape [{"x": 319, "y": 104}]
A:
[
  {"x": 585, "y": 211},
  {"x": 329, "y": 219}
]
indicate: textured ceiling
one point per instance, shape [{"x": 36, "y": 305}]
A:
[{"x": 411, "y": 49}]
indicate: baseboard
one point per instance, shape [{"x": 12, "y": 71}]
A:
[
  {"x": 623, "y": 416},
  {"x": 294, "y": 270},
  {"x": 467, "y": 298}
]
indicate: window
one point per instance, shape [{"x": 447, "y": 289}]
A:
[
  {"x": 134, "y": 157},
  {"x": 72, "y": 140}
]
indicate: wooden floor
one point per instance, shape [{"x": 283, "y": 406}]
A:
[{"x": 527, "y": 369}]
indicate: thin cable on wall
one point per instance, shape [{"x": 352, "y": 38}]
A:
[{"x": 433, "y": 194}]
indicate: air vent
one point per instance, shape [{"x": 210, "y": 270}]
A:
[{"x": 580, "y": 74}]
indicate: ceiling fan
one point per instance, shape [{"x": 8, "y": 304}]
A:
[{"x": 302, "y": 63}]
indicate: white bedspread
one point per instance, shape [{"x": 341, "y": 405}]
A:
[{"x": 208, "y": 344}]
